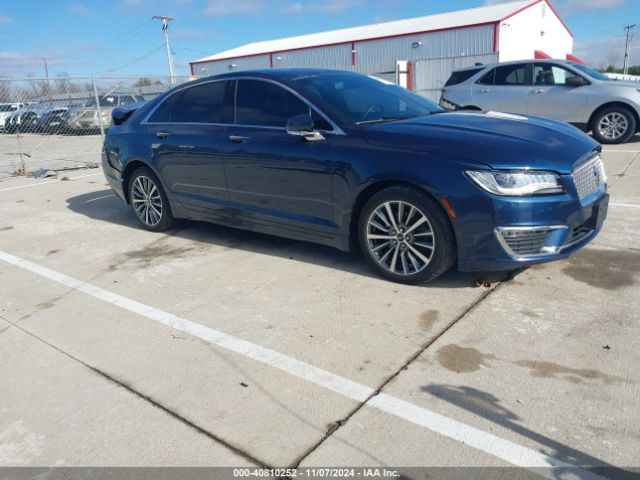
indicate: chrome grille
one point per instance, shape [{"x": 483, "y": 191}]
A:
[{"x": 589, "y": 177}]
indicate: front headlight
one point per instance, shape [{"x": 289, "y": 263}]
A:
[{"x": 505, "y": 182}]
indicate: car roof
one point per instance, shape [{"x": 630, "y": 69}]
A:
[
  {"x": 516, "y": 62},
  {"x": 277, "y": 73}
]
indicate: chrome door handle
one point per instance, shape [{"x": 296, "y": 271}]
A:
[
  {"x": 238, "y": 139},
  {"x": 485, "y": 90},
  {"x": 538, "y": 91},
  {"x": 162, "y": 134}
]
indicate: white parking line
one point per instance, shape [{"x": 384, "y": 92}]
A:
[
  {"x": 27, "y": 186},
  {"x": 628, "y": 205},
  {"x": 48, "y": 181},
  {"x": 99, "y": 198},
  {"x": 498, "y": 447},
  {"x": 620, "y": 151}
]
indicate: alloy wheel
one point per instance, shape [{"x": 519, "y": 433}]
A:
[
  {"x": 146, "y": 200},
  {"x": 400, "y": 237},
  {"x": 613, "y": 125}
]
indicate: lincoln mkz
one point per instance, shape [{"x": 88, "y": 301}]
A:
[{"x": 349, "y": 161}]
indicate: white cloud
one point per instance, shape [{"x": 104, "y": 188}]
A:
[
  {"x": 604, "y": 52},
  {"x": 221, "y": 8},
  {"x": 326, "y": 6},
  {"x": 575, "y": 7},
  {"x": 78, "y": 8},
  {"x": 5, "y": 20}
]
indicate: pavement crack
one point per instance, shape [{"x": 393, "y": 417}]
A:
[
  {"x": 335, "y": 426},
  {"x": 624, "y": 171},
  {"x": 147, "y": 398}
]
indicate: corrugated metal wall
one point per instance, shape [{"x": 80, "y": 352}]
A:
[
  {"x": 434, "y": 55},
  {"x": 448, "y": 43},
  {"x": 431, "y": 75},
  {"x": 321, "y": 57},
  {"x": 223, "y": 66}
]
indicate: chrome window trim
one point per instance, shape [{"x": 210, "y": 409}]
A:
[
  {"x": 548, "y": 250},
  {"x": 336, "y": 129}
]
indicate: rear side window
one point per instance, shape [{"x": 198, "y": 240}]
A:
[
  {"x": 459, "y": 77},
  {"x": 266, "y": 104},
  {"x": 205, "y": 103},
  {"x": 506, "y": 75}
]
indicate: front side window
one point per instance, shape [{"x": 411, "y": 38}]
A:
[
  {"x": 548, "y": 74},
  {"x": 266, "y": 104}
]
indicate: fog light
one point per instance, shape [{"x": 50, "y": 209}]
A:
[{"x": 526, "y": 242}]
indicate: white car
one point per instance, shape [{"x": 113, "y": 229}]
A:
[
  {"x": 6, "y": 109},
  {"x": 558, "y": 89}
]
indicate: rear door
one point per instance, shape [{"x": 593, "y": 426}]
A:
[
  {"x": 190, "y": 144},
  {"x": 503, "y": 88},
  {"x": 550, "y": 96}
]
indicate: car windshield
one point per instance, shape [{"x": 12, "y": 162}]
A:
[
  {"x": 358, "y": 99},
  {"x": 589, "y": 71}
]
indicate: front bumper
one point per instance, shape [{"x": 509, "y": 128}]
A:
[{"x": 529, "y": 230}]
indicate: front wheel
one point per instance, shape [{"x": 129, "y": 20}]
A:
[
  {"x": 613, "y": 125},
  {"x": 149, "y": 201},
  {"x": 405, "y": 235}
]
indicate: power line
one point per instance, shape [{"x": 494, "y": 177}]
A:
[
  {"x": 148, "y": 54},
  {"x": 132, "y": 32}
]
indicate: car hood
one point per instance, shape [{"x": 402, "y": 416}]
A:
[{"x": 498, "y": 140}]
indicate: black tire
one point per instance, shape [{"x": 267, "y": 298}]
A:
[
  {"x": 443, "y": 243},
  {"x": 143, "y": 177},
  {"x": 614, "y": 112}
]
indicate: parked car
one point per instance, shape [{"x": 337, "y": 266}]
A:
[
  {"x": 341, "y": 159},
  {"x": 88, "y": 119},
  {"x": 21, "y": 120},
  {"x": 6, "y": 110},
  {"x": 558, "y": 89},
  {"x": 51, "y": 121}
]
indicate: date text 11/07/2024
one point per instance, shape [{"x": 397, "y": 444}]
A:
[{"x": 316, "y": 472}]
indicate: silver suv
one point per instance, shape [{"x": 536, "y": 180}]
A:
[{"x": 558, "y": 89}]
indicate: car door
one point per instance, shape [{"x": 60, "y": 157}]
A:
[
  {"x": 503, "y": 88},
  {"x": 550, "y": 96},
  {"x": 190, "y": 141},
  {"x": 275, "y": 178}
]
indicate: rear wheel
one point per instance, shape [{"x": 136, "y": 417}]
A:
[
  {"x": 405, "y": 236},
  {"x": 613, "y": 125},
  {"x": 149, "y": 201}
]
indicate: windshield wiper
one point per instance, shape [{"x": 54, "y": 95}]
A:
[{"x": 381, "y": 120}]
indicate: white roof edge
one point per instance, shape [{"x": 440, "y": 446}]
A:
[{"x": 458, "y": 18}]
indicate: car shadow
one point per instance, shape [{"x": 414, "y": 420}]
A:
[
  {"x": 486, "y": 405},
  {"x": 102, "y": 205}
]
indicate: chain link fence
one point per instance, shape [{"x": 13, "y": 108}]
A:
[{"x": 58, "y": 124}]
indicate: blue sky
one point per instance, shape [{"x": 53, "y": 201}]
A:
[{"x": 118, "y": 37}]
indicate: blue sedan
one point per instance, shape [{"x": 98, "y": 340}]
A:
[{"x": 346, "y": 160}]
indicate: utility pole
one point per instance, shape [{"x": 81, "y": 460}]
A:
[
  {"x": 165, "y": 25},
  {"x": 46, "y": 73},
  {"x": 46, "y": 67},
  {"x": 627, "y": 47}
]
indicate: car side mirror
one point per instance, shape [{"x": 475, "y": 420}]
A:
[
  {"x": 302, "y": 126},
  {"x": 576, "y": 81}
]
